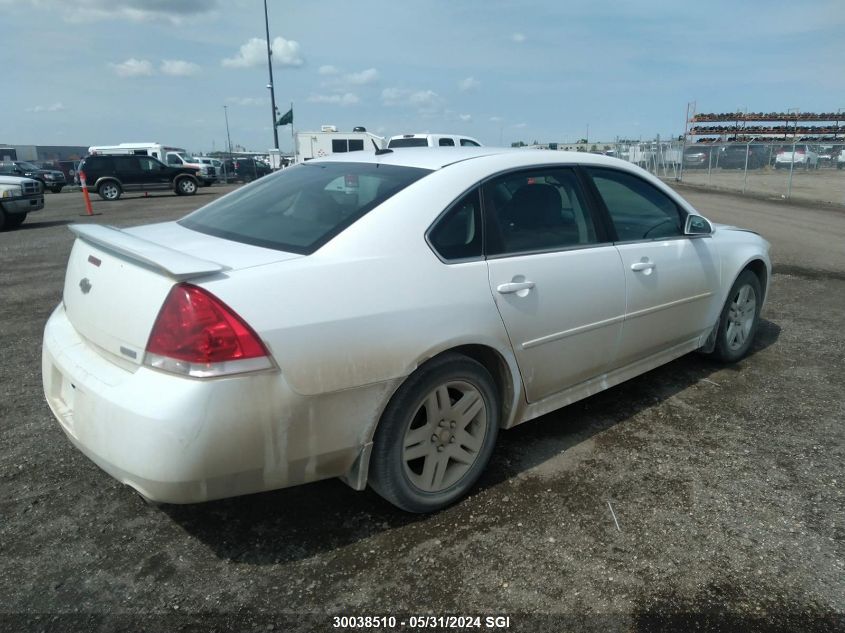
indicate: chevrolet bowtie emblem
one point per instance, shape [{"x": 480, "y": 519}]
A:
[{"x": 85, "y": 286}]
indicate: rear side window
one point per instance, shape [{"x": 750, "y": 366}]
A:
[
  {"x": 98, "y": 163},
  {"x": 408, "y": 142},
  {"x": 638, "y": 209},
  {"x": 457, "y": 235},
  {"x": 537, "y": 210},
  {"x": 127, "y": 164},
  {"x": 301, "y": 208}
]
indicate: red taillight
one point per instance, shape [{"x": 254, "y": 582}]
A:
[{"x": 197, "y": 334}]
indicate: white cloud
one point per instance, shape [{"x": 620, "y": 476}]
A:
[
  {"x": 518, "y": 38},
  {"x": 469, "y": 84},
  {"x": 179, "y": 68},
  {"x": 344, "y": 99},
  {"x": 520, "y": 125},
  {"x": 247, "y": 101},
  {"x": 425, "y": 101},
  {"x": 133, "y": 68},
  {"x": 465, "y": 117},
  {"x": 364, "y": 77},
  {"x": 169, "y": 11},
  {"x": 328, "y": 69},
  {"x": 254, "y": 53},
  {"x": 53, "y": 107}
]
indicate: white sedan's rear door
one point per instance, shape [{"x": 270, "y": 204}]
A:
[{"x": 558, "y": 284}]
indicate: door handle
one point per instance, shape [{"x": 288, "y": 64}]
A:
[
  {"x": 514, "y": 286},
  {"x": 640, "y": 266}
]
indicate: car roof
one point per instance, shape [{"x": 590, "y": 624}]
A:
[{"x": 434, "y": 158}]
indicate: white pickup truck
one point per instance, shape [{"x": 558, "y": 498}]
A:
[
  {"x": 18, "y": 196},
  {"x": 431, "y": 140}
]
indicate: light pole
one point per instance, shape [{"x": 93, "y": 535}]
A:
[
  {"x": 229, "y": 141},
  {"x": 270, "y": 85}
]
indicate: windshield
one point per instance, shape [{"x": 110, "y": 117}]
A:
[
  {"x": 408, "y": 142},
  {"x": 301, "y": 208},
  {"x": 25, "y": 165}
]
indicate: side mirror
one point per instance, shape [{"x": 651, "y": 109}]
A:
[{"x": 696, "y": 225}]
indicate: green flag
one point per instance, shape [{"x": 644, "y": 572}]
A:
[{"x": 287, "y": 118}]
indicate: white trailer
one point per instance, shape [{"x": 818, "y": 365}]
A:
[
  {"x": 329, "y": 141},
  {"x": 175, "y": 156}
]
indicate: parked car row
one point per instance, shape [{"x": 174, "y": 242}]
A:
[{"x": 757, "y": 156}]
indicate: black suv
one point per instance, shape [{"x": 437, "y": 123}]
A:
[
  {"x": 245, "y": 169},
  {"x": 112, "y": 174},
  {"x": 738, "y": 155},
  {"x": 51, "y": 179}
]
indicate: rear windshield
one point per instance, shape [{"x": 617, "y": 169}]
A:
[
  {"x": 301, "y": 208},
  {"x": 408, "y": 142}
]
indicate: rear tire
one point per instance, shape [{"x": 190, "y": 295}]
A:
[
  {"x": 436, "y": 435},
  {"x": 739, "y": 319},
  {"x": 185, "y": 186},
  {"x": 109, "y": 190}
]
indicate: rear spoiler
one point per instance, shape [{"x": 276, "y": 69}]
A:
[{"x": 176, "y": 264}]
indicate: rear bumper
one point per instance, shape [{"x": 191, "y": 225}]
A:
[{"x": 178, "y": 440}]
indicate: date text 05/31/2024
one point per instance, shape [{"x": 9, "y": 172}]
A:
[{"x": 422, "y": 622}]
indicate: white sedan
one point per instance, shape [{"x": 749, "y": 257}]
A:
[{"x": 380, "y": 316}]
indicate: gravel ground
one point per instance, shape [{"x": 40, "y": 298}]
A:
[{"x": 697, "y": 497}]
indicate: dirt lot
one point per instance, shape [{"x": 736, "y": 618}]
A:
[
  {"x": 823, "y": 185},
  {"x": 726, "y": 483}
]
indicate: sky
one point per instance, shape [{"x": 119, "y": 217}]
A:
[{"x": 101, "y": 72}]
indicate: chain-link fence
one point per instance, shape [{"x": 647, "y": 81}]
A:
[{"x": 798, "y": 170}]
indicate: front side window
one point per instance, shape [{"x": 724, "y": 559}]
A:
[
  {"x": 301, "y": 208},
  {"x": 535, "y": 210},
  {"x": 173, "y": 159},
  {"x": 638, "y": 209},
  {"x": 457, "y": 235},
  {"x": 446, "y": 142},
  {"x": 465, "y": 142},
  {"x": 356, "y": 145}
]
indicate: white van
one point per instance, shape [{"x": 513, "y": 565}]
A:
[
  {"x": 431, "y": 140},
  {"x": 174, "y": 156}
]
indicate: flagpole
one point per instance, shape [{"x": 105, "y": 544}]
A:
[
  {"x": 293, "y": 136},
  {"x": 270, "y": 85}
]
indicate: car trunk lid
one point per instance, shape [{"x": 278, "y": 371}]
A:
[{"x": 117, "y": 280}]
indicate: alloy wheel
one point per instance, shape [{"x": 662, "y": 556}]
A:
[
  {"x": 741, "y": 312},
  {"x": 444, "y": 437}
]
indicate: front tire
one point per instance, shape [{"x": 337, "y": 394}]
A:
[
  {"x": 14, "y": 221},
  {"x": 739, "y": 320},
  {"x": 436, "y": 435},
  {"x": 56, "y": 188}
]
